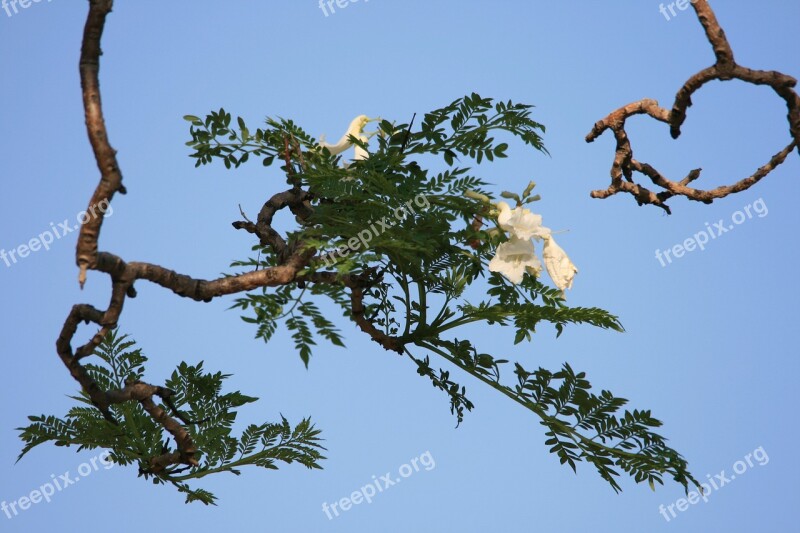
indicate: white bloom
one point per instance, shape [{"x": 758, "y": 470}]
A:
[
  {"x": 514, "y": 258},
  {"x": 360, "y": 153},
  {"x": 559, "y": 266},
  {"x": 356, "y": 129},
  {"x": 521, "y": 223}
]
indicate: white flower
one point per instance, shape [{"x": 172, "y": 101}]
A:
[
  {"x": 514, "y": 258},
  {"x": 559, "y": 266},
  {"x": 356, "y": 129},
  {"x": 360, "y": 153},
  {"x": 521, "y": 223}
]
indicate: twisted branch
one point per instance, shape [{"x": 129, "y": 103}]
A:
[
  {"x": 291, "y": 260},
  {"x": 725, "y": 69}
]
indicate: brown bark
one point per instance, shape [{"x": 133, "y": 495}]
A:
[
  {"x": 123, "y": 275},
  {"x": 724, "y": 69}
]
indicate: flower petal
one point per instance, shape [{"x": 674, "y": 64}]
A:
[
  {"x": 504, "y": 215},
  {"x": 355, "y": 129},
  {"x": 558, "y": 264},
  {"x": 514, "y": 258},
  {"x": 360, "y": 153},
  {"x": 520, "y": 222}
]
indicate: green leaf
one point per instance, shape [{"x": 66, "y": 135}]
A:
[{"x": 197, "y": 395}]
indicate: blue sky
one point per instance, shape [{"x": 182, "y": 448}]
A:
[{"x": 709, "y": 345}]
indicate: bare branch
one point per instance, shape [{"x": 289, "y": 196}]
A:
[{"x": 724, "y": 69}]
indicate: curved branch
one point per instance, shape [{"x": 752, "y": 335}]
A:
[
  {"x": 291, "y": 260},
  {"x": 105, "y": 155},
  {"x": 123, "y": 275},
  {"x": 725, "y": 69}
]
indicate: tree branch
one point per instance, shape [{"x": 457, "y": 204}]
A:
[{"x": 724, "y": 69}]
